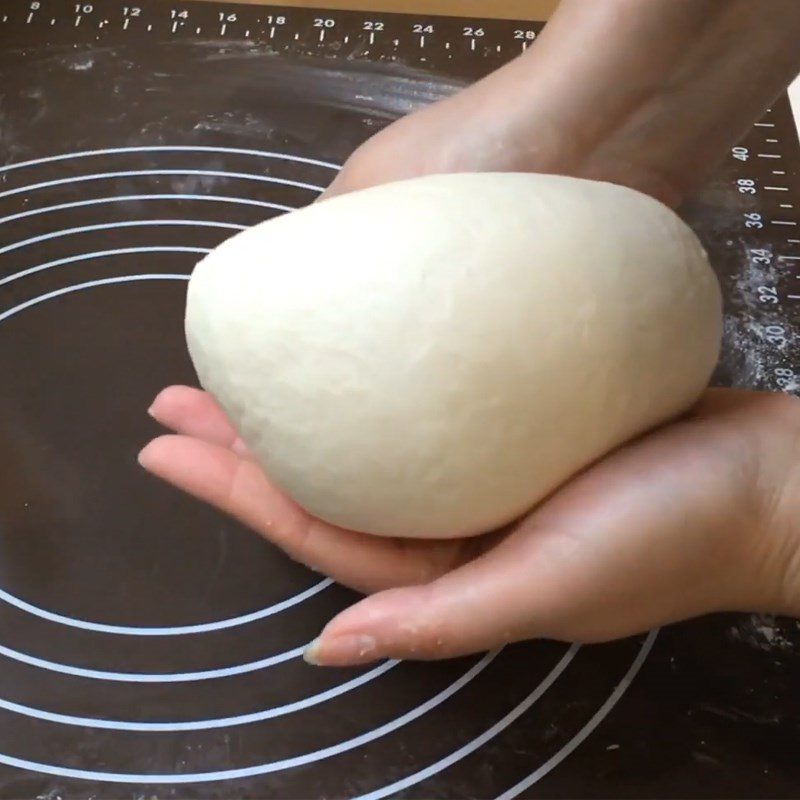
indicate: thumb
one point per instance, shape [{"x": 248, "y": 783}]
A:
[{"x": 485, "y": 604}]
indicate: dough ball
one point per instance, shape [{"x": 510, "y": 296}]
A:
[{"x": 431, "y": 358}]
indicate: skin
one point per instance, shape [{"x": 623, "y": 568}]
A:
[{"x": 699, "y": 516}]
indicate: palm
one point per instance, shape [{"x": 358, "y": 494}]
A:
[
  {"x": 207, "y": 460},
  {"x": 649, "y": 535}
]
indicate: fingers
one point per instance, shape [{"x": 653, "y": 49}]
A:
[
  {"x": 654, "y": 534},
  {"x": 193, "y": 412},
  {"x": 537, "y": 584},
  {"x": 217, "y": 476},
  {"x": 237, "y": 486}
]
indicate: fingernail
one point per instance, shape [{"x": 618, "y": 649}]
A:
[
  {"x": 142, "y": 456},
  {"x": 152, "y": 410},
  {"x": 342, "y": 651}
]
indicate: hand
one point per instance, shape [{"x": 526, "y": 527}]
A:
[
  {"x": 616, "y": 91},
  {"x": 699, "y": 516},
  {"x": 694, "y": 518},
  {"x": 433, "y": 140}
]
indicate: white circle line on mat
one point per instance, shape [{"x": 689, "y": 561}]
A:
[
  {"x": 478, "y": 741},
  {"x": 137, "y": 173},
  {"x": 170, "y": 149},
  {"x": 180, "y": 630},
  {"x": 108, "y": 226},
  {"x": 512, "y": 716},
  {"x": 136, "y": 198},
  {"x": 199, "y": 725},
  {"x": 122, "y": 630},
  {"x": 260, "y": 769},
  {"x": 590, "y": 726},
  {"x": 120, "y": 251},
  {"x": 150, "y": 677}
]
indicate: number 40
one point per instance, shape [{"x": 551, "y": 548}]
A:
[{"x": 740, "y": 153}]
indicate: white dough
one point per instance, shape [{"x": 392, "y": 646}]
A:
[{"x": 432, "y": 358}]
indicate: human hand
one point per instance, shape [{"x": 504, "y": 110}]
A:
[
  {"x": 616, "y": 91},
  {"x": 696, "y": 517}
]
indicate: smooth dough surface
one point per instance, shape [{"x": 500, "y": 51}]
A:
[{"x": 431, "y": 358}]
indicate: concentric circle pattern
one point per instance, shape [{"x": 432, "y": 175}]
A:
[{"x": 146, "y": 641}]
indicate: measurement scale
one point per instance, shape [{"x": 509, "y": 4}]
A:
[{"x": 136, "y": 137}]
